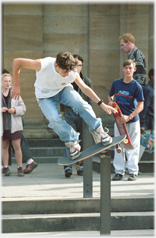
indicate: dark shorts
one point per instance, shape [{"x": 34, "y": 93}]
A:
[{"x": 7, "y": 135}]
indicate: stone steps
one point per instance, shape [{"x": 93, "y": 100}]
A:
[
  {"x": 45, "y": 215},
  {"x": 75, "y": 222}
]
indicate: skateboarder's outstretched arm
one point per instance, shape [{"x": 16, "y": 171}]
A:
[
  {"x": 17, "y": 65},
  {"x": 92, "y": 95}
]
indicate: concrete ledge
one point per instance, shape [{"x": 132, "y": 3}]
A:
[
  {"x": 85, "y": 205},
  {"x": 75, "y": 222}
]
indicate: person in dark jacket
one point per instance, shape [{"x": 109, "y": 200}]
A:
[
  {"x": 127, "y": 43},
  {"x": 147, "y": 115},
  {"x": 74, "y": 119}
]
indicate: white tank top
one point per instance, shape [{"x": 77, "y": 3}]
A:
[{"x": 48, "y": 82}]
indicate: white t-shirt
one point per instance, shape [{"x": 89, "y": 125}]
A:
[{"x": 48, "y": 82}]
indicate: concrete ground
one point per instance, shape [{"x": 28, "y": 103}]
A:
[{"x": 48, "y": 181}]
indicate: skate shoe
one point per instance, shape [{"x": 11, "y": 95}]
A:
[
  {"x": 74, "y": 149},
  {"x": 100, "y": 135}
]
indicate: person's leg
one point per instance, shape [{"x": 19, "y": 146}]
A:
[
  {"x": 80, "y": 130},
  {"x": 26, "y": 153},
  {"x": 133, "y": 155},
  {"x": 70, "y": 97},
  {"x": 70, "y": 119},
  {"x": 49, "y": 107},
  {"x": 18, "y": 155},
  {"x": 27, "y": 156},
  {"x": 5, "y": 152},
  {"x": 5, "y": 157},
  {"x": 119, "y": 159},
  {"x": 66, "y": 133}
]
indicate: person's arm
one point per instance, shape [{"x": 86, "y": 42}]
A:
[
  {"x": 17, "y": 65},
  {"x": 110, "y": 100},
  {"x": 138, "y": 109},
  {"x": 18, "y": 109},
  {"x": 92, "y": 95},
  {"x": 147, "y": 103}
]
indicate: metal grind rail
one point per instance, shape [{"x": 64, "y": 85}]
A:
[{"x": 105, "y": 184}]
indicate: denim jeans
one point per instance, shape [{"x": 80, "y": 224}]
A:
[
  {"x": 68, "y": 96},
  {"x": 76, "y": 122}
]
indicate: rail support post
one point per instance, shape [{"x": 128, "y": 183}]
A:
[
  {"x": 105, "y": 198},
  {"x": 87, "y": 164}
]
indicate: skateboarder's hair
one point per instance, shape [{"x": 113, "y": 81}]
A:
[
  {"x": 127, "y": 37},
  {"x": 66, "y": 61},
  {"x": 128, "y": 62}
]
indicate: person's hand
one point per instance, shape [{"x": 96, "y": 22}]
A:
[
  {"x": 124, "y": 118},
  {"x": 4, "y": 109},
  {"x": 15, "y": 92},
  {"x": 108, "y": 108},
  {"x": 142, "y": 129},
  {"x": 11, "y": 110},
  {"x": 110, "y": 103}
]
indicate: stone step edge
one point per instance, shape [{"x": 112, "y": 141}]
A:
[
  {"x": 70, "y": 199},
  {"x": 113, "y": 214}
]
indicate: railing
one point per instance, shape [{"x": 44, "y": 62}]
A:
[{"x": 105, "y": 184}]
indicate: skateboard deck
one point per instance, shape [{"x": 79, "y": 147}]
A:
[
  {"x": 91, "y": 151},
  {"x": 122, "y": 127}
]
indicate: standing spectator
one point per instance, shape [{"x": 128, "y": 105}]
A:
[
  {"x": 73, "y": 118},
  {"x": 26, "y": 153},
  {"x": 129, "y": 97},
  {"x": 147, "y": 115},
  {"x": 127, "y": 43},
  {"x": 12, "y": 110}
]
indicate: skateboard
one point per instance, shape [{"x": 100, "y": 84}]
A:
[
  {"x": 122, "y": 127},
  {"x": 91, "y": 151},
  {"x": 146, "y": 142}
]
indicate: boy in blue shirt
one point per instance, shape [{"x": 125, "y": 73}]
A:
[{"x": 129, "y": 97}]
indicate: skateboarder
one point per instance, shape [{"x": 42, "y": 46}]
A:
[
  {"x": 129, "y": 97},
  {"x": 52, "y": 86}
]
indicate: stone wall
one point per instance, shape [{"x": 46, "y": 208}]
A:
[{"x": 91, "y": 30}]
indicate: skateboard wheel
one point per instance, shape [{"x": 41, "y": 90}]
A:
[
  {"x": 125, "y": 141},
  {"x": 77, "y": 167},
  {"x": 118, "y": 150}
]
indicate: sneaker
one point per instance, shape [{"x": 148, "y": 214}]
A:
[
  {"x": 117, "y": 177},
  {"x": 132, "y": 177},
  {"x": 100, "y": 135},
  {"x": 20, "y": 171},
  {"x": 68, "y": 173},
  {"x": 74, "y": 149},
  {"x": 30, "y": 167},
  {"x": 6, "y": 171}
]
